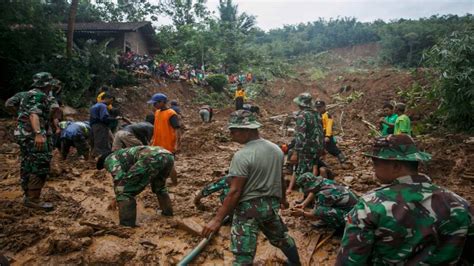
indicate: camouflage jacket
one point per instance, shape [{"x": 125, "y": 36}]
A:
[
  {"x": 32, "y": 102},
  {"x": 329, "y": 193},
  {"x": 309, "y": 135},
  {"x": 220, "y": 184},
  {"x": 408, "y": 222},
  {"x": 15, "y": 100},
  {"x": 136, "y": 161}
]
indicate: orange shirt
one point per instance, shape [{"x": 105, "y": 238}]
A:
[{"x": 164, "y": 135}]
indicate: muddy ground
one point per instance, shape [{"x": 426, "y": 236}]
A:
[{"x": 82, "y": 229}]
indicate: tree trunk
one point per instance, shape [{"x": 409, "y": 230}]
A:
[{"x": 70, "y": 27}]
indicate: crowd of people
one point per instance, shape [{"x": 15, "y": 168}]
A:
[{"x": 409, "y": 220}]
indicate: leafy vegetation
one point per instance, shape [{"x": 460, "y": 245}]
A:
[{"x": 217, "y": 82}]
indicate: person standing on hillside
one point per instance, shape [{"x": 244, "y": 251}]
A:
[
  {"x": 132, "y": 170},
  {"x": 206, "y": 112},
  {"x": 103, "y": 90},
  {"x": 403, "y": 123},
  {"x": 409, "y": 220},
  {"x": 167, "y": 128},
  {"x": 257, "y": 192},
  {"x": 239, "y": 97},
  {"x": 32, "y": 135},
  {"x": 99, "y": 121},
  {"x": 329, "y": 142},
  {"x": 309, "y": 137},
  {"x": 387, "y": 123}
]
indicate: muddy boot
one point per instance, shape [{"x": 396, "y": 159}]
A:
[
  {"x": 341, "y": 158},
  {"x": 32, "y": 200},
  {"x": 165, "y": 204},
  {"x": 292, "y": 255},
  {"x": 127, "y": 212}
]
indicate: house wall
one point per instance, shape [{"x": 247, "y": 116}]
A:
[{"x": 137, "y": 42}]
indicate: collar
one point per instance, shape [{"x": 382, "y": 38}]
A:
[{"x": 420, "y": 178}]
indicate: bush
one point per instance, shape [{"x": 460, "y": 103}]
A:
[
  {"x": 123, "y": 78},
  {"x": 452, "y": 58},
  {"x": 217, "y": 81}
]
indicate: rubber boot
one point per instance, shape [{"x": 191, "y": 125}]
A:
[
  {"x": 292, "y": 255},
  {"x": 32, "y": 200},
  {"x": 165, "y": 204},
  {"x": 341, "y": 158},
  {"x": 127, "y": 212}
]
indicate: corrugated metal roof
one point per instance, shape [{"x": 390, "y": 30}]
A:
[{"x": 111, "y": 26}]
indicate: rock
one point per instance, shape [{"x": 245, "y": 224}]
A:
[
  {"x": 348, "y": 179},
  {"x": 86, "y": 241},
  {"x": 68, "y": 110},
  {"x": 81, "y": 231},
  {"x": 108, "y": 252}
]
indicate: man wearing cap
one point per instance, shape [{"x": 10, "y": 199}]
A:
[
  {"x": 327, "y": 121},
  {"x": 332, "y": 201},
  {"x": 132, "y": 170},
  {"x": 256, "y": 194},
  {"x": 167, "y": 128},
  {"x": 309, "y": 139},
  {"x": 408, "y": 221},
  {"x": 34, "y": 108}
]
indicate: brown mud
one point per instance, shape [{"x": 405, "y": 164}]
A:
[{"x": 83, "y": 228}]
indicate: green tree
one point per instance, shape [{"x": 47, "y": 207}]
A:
[{"x": 453, "y": 58}]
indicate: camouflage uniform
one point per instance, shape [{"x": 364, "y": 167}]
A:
[
  {"x": 133, "y": 168},
  {"x": 309, "y": 135},
  {"x": 332, "y": 201},
  {"x": 35, "y": 164},
  {"x": 258, "y": 213},
  {"x": 410, "y": 221},
  {"x": 221, "y": 184}
]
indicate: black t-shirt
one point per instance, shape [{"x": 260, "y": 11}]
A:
[{"x": 142, "y": 130}]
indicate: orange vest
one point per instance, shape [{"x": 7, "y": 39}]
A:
[{"x": 164, "y": 135}]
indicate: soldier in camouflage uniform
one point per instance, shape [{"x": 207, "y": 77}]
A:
[
  {"x": 332, "y": 201},
  {"x": 410, "y": 220},
  {"x": 256, "y": 194},
  {"x": 33, "y": 136},
  {"x": 221, "y": 184},
  {"x": 132, "y": 170},
  {"x": 309, "y": 137}
]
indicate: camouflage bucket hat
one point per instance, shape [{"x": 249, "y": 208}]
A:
[
  {"x": 304, "y": 99},
  {"x": 397, "y": 148},
  {"x": 243, "y": 119},
  {"x": 42, "y": 79}
]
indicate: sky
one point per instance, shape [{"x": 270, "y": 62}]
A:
[{"x": 277, "y": 13}]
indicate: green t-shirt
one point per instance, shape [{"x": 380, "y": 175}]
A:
[
  {"x": 385, "y": 129},
  {"x": 402, "y": 125},
  {"x": 261, "y": 162}
]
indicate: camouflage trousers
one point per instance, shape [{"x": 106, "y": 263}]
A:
[
  {"x": 252, "y": 216},
  {"x": 333, "y": 217},
  {"x": 306, "y": 162},
  {"x": 34, "y": 164},
  {"x": 128, "y": 185}
]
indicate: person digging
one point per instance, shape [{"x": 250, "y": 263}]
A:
[{"x": 132, "y": 170}]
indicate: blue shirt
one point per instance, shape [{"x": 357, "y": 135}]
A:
[
  {"x": 76, "y": 129},
  {"x": 99, "y": 114}
]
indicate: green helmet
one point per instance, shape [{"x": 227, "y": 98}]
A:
[
  {"x": 304, "y": 100},
  {"x": 42, "y": 79},
  {"x": 243, "y": 119},
  {"x": 397, "y": 148}
]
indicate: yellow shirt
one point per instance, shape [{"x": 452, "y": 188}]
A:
[
  {"x": 99, "y": 99},
  {"x": 240, "y": 93},
  {"x": 327, "y": 124}
]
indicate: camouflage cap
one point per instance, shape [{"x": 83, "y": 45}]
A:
[
  {"x": 304, "y": 99},
  {"x": 243, "y": 119},
  {"x": 309, "y": 182},
  {"x": 42, "y": 79},
  {"x": 397, "y": 148}
]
